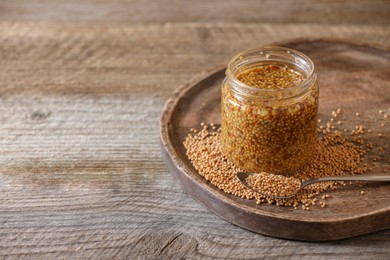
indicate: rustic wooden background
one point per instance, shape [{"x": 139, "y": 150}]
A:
[{"x": 82, "y": 86}]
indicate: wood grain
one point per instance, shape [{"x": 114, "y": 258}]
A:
[
  {"x": 94, "y": 60},
  {"x": 82, "y": 87},
  {"x": 204, "y": 11}
]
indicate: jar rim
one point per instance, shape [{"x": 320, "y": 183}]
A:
[{"x": 266, "y": 52}]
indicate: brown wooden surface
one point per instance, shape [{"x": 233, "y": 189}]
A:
[
  {"x": 82, "y": 86},
  {"x": 352, "y": 78},
  {"x": 177, "y": 11}
]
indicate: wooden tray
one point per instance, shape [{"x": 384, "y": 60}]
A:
[{"x": 353, "y": 77}]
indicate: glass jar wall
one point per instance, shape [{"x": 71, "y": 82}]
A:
[{"x": 269, "y": 110}]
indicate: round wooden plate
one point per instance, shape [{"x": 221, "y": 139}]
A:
[{"x": 353, "y": 77}]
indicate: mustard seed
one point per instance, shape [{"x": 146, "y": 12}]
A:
[{"x": 333, "y": 155}]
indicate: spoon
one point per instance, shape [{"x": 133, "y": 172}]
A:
[{"x": 241, "y": 176}]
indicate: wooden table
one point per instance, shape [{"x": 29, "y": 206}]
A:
[{"x": 82, "y": 86}]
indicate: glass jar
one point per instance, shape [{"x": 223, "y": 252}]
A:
[{"x": 270, "y": 128}]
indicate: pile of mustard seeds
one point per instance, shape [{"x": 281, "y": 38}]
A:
[{"x": 334, "y": 156}]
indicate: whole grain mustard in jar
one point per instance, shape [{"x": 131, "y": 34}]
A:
[{"x": 269, "y": 110}]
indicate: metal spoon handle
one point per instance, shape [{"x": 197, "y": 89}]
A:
[{"x": 365, "y": 177}]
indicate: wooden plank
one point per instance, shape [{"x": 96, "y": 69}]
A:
[
  {"x": 136, "y": 60},
  {"x": 81, "y": 173},
  {"x": 177, "y": 11}
]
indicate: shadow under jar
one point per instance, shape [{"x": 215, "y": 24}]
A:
[{"x": 269, "y": 110}]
